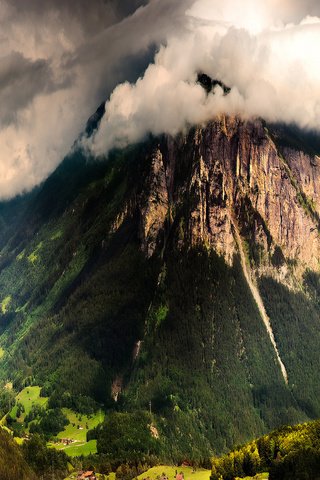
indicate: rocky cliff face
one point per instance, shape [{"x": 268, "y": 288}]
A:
[{"x": 236, "y": 176}]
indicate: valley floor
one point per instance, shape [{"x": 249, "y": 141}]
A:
[
  {"x": 157, "y": 472},
  {"x": 170, "y": 472}
]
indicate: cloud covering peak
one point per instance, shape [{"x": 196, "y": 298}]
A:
[
  {"x": 60, "y": 59},
  {"x": 272, "y": 68}
]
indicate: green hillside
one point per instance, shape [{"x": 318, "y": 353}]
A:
[
  {"x": 28, "y": 397},
  {"x": 170, "y": 472},
  {"x": 28, "y": 412},
  {"x": 100, "y": 325},
  {"x": 79, "y": 449},
  {"x": 12, "y": 463},
  {"x": 99, "y": 476},
  {"x": 289, "y": 453},
  {"x": 76, "y": 431}
]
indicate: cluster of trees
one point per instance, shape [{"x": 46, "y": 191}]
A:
[
  {"x": 45, "y": 422},
  {"x": 50, "y": 423},
  {"x": 48, "y": 463},
  {"x": 13, "y": 465},
  {"x": 128, "y": 472},
  {"x": 79, "y": 403},
  {"x": 207, "y": 364},
  {"x": 127, "y": 438},
  {"x": 20, "y": 409},
  {"x": 239, "y": 463},
  {"x": 33, "y": 459},
  {"x": 36, "y": 411},
  {"x": 7, "y": 399},
  {"x": 288, "y": 453},
  {"x": 140, "y": 440}
]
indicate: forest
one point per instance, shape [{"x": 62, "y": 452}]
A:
[{"x": 291, "y": 452}]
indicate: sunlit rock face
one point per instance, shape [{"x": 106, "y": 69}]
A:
[{"x": 230, "y": 174}]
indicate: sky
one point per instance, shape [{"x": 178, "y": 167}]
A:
[{"x": 59, "y": 59}]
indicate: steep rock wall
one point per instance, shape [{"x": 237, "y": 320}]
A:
[{"x": 233, "y": 169}]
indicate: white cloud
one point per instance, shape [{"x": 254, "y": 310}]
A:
[{"x": 272, "y": 67}]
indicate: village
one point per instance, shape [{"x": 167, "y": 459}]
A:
[
  {"x": 88, "y": 475},
  {"x": 184, "y": 472},
  {"x": 164, "y": 476}
]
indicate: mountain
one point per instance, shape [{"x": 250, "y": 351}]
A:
[{"x": 179, "y": 276}]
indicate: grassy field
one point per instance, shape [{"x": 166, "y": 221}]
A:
[
  {"x": 77, "y": 430},
  {"x": 77, "y": 449},
  {"x": 27, "y": 397},
  {"x": 259, "y": 476},
  {"x": 99, "y": 476},
  {"x": 76, "y": 420},
  {"x": 189, "y": 474},
  {"x": 155, "y": 472}
]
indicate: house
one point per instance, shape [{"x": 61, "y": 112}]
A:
[
  {"x": 89, "y": 475},
  {"x": 164, "y": 477},
  {"x": 66, "y": 441}
]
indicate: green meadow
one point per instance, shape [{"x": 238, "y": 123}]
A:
[
  {"x": 188, "y": 472},
  {"x": 27, "y": 397},
  {"x": 155, "y": 472},
  {"x": 259, "y": 476},
  {"x": 77, "y": 449},
  {"x": 99, "y": 476},
  {"x": 77, "y": 430}
]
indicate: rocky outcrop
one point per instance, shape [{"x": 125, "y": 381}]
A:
[
  {"x": 232, "y": 170},
  {"x": 155, "y": 204}
]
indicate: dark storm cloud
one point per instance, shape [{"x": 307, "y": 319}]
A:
[
  {"x": 20, "y": 81},
  {"x": 93, "y": 15},
  {"x": 117, "y": 53},
  {"x": 59, "y": 59}
]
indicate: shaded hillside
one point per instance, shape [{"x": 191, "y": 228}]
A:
[
  {"x": 12, "y": 213},
  {"x": 12, "y": 463}
]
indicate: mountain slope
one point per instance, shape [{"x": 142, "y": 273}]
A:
[
  {"x": 124, "y": 284},
  {"x": 287, "y": 453},
  {"x": 12, "y": 464}
]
